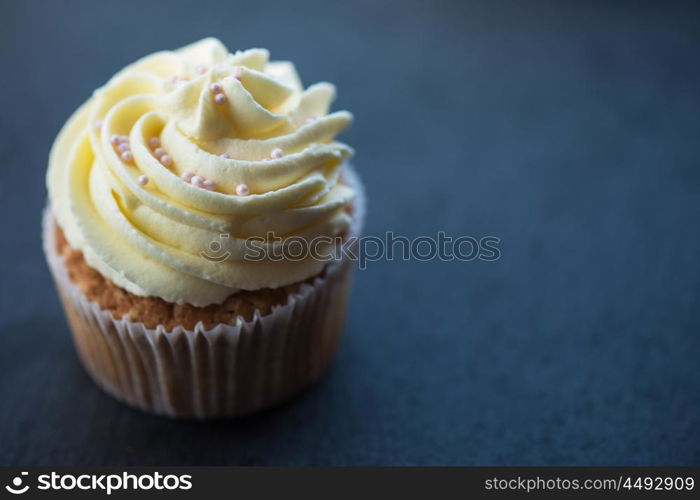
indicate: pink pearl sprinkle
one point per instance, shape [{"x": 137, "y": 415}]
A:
[
  {"x": 216, "y": 88},
  {"x": 208, "y": 184},
  {"x": 127, "y": 157},
  {"x": 124, "y": 146},
  {"x": 187, "y": 176},
  {"x": 198, "y": 181},
  {"x": 159, "y": 152},
  {"x": 225, "y": 155},
  {"x": 276, "y": 153},
  {"x": 242, "y": 190},
  {"x": 166, "y": 160},
  {"x": 220, "y": 99},
  {"x": 154, "y": 142},
  {"x": 143, "y": 180}
]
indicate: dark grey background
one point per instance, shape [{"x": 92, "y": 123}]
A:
[{"x": 569, "y": 130}]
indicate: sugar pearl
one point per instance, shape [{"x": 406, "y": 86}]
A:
[
  {"x": 143, "y": 180},
  {"x": 220, "y": 99},
  {"x": 197, "y": 181},
  {"x": 225, "y": 155},
  {"x": 276, "y": 153},
  {"x": 159, "y": 152},
  {"x": 208, "y": 184},
  {"x": 154, "y": 142},
  {"x": 124, "y": 146},
  {"x": 177, "y": 79},
  {"x": 127, "y": 157},
  {"x": 115, "y": 139},
  {"x": 242, "y": 190},
  {"x": 187, "y": 176},
  {"x": 215, "y": 88},
  {"x": 166, "y": 160}
]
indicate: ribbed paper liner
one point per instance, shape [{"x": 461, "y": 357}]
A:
[{"x": 222, "y": 372}]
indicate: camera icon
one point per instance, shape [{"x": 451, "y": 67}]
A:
[
  {"x": 216, "y": 251},
  {"x": 16, "y": 488}
]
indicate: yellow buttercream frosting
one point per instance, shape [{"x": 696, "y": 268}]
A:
[{"x": 230, "y": 119}]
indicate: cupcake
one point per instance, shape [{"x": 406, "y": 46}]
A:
[{"x": 197, "y": 205}]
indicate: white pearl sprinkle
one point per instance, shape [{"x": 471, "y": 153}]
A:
[
  {"x": 187, "y": 176},
  {"x": 208, "y": 184},
  {"x": 197, "y": 181},
  {"x": 215, "y": 88},
  {"x": 276, "y": 153},
  {"x": 123, "y": 138},
  {"x": 159, "y": 152},
  {"x": 114, "y": 139},
  {"x": 166, "y": 161},
  {"x": 220, "y": 99},
  {"x": 127, "y": 157},
  {"x": 225, "y": 155},
  {"x": 124, "y": 146},
  {"x": 154, "y": 142},
  {"x": 176, "y": 80},
  {"x": 242, "y": 190},
  {"x": 143, "y": 180}
]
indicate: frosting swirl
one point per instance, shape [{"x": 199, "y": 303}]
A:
[{"x": 183, "y": 147}]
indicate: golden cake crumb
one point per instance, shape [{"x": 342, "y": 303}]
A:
[{"x": 153, "y": 311}]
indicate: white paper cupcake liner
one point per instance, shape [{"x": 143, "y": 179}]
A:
[{"x": 225, "y": 371}]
